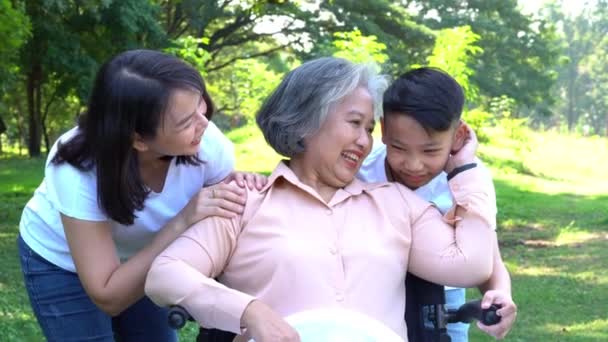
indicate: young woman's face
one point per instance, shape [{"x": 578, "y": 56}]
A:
[
  {"x": 182, "y": 126},
  {"x": 336, "y": 151}
]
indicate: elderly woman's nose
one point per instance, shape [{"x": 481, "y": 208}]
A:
[{"x": 364, "y": 139}]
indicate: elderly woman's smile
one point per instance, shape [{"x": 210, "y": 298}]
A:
[{"x": 335, "y": 152}]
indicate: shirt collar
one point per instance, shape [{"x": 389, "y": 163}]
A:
[{"x": 354, "y": 188}]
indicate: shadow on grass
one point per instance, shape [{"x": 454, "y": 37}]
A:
[
  {"x": 517, "y": 166},
  {"x": 524, "y": 214}
]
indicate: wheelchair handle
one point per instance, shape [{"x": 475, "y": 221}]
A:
[
  {"x": 472, "y": 310},
  {"x": 178, "y": 316}
]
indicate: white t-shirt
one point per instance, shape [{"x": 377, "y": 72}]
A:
[{"x": 72, "y": 192}]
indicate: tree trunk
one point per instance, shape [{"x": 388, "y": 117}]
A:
[
  {"x": 606, "y": 133},
  {"x": 2, "y": 130},
  {"x": 34, "y": 89},
  {"x": 571, "y": 95}
]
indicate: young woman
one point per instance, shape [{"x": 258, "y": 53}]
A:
[{"x": 143, "y": 165}]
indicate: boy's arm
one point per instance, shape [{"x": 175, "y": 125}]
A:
[
  {"x": 500, "y": 278},
  {"x": 497, "y": 290}
]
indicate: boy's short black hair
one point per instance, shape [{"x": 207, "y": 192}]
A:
[{"x": 429, "y": 95}]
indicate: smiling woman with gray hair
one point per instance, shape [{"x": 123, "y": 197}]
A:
[{"x": 314, "y": 236}]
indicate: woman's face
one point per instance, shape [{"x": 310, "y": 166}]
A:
[
  {"x": 182, "y": 126},
  {"x": 336, "y": 151}
]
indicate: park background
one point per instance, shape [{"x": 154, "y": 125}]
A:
[{"x": 535, "y": 75}]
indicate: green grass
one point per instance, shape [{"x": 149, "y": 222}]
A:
[
  {"x": 553, "y": 227},
  {"x": 19, "y": 177}
]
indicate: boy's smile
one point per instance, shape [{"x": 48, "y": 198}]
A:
[{"x": 414, "y": 156}]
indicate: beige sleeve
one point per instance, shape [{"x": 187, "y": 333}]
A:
[
  {"x": 183, "y": 275},
  {"x": 457, "y": 250}
]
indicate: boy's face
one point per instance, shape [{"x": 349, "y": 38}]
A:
[{"x": 414, "y": 156}]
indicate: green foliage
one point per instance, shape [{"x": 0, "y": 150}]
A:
[
  {"x": 514, "y": 129},
  {"x": 478, "y": 120},
  {"x": 518, "y": 49},
  {"x": 14, "y": 30},
  {"x": 390, "y": 22},
  {"x": 190, "y": 49},
  {"x": 502, "y": 106},
  {"x": 454, "y": 50},
  {"x": 239, "y": 90},
  {"x": 358, "y": 48}
]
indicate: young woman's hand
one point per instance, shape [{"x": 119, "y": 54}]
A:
[
  {"x": 265, "y": 325},
  {"x": 507, "y": 312},
  {"x": 252, "y": 180},
  {"x": 222, "y": 199}
]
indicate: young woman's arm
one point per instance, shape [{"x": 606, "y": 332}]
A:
[
  {"x": 114, "y": 286},
  {"x": 111, "y": 285}
]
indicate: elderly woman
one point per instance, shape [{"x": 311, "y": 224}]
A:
[{"x": 315, "y": 236}]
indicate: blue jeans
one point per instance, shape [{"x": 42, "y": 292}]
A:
[
  {"x": 454, "y": 298},
  {"x": 66, "y": 313}
]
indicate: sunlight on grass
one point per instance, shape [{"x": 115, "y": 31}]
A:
[
  {"x": 592, "y": 277},
  {"x": 569, "y": 237},
  {"x": 538, "y": 270},
  {"x": 550, "y": 162},
  {"x": 596, "y": 330}
]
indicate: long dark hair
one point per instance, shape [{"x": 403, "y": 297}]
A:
[{"x": 130, "y": 95}]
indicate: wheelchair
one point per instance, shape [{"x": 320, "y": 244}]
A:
[{"x": 425, "y": 314}]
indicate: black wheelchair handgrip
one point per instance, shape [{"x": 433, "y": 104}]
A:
[
  {"x": 472, "y": 310},
  {"x": 489, "y": 316},
  {"x": 178, "y": 317}
]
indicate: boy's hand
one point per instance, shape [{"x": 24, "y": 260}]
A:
[
  {"x": 507, "y": 312},
  {"x": 252, "y": 180},
  {"x": 466, "y": 154}
]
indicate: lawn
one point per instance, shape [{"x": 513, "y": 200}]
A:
[{"x": 553, "y": 226}]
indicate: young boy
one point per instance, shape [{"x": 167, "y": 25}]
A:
[{"x": 421, "y": 127}]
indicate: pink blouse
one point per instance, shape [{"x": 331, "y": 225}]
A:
[{"x": 293, "y": 251}]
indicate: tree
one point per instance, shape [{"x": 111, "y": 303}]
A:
[
  {"x": 453, "y": 51},
  {"x": 358, "y": 48},
  {"x": 581, "y": 75},
  {"x": 235, "y": 30},
  {"x": 69, "y": 40},
  {"x": 409, "y": 42},
  {"x": 230, "y": 33},
  {"x": 518, "y": 51},
  {"x": 14, "y": 30}
]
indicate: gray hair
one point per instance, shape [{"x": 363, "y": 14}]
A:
[{"x": 300, "y": 104}]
